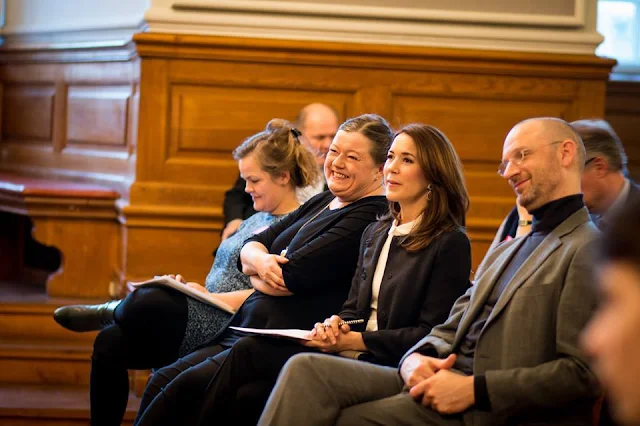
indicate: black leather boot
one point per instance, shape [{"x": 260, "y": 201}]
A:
[{"x": 86, "y": 317}]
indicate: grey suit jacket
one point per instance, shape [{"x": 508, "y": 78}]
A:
[{"x": 528, "y": 349}]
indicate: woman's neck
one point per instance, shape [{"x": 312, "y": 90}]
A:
[
  {"x": 410, "y": 212},
  {"x": 287, "y": 205},
  {"x": 338, "y": 202}
]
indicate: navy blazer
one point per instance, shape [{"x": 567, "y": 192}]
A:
[{"x": 417, "y": 291}]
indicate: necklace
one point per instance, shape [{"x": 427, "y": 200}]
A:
[{"x": 284, "y": 251}]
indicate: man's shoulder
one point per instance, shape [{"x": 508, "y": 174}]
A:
[
  {"x": 583, "y": 232},
  {"x": 634, "y": 192},
  {"x": 580, "y": 238}
]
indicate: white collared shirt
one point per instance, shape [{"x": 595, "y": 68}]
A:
[
  {"x": 304, "y": 194},
  {"x": 394, "y": 231}
]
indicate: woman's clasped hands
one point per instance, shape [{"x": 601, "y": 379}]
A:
[
  {"x": 269, "y": 269},
  {"x": 330, "y": 336}
]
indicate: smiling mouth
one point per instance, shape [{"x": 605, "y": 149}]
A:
[
  {"x": 519, "y": 184},
  {"x": 339, "y": 175}
]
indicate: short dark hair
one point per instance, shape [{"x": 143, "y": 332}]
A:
[
  {"x": 600, "y": 139},
  {"x": 621, "y": 241}
]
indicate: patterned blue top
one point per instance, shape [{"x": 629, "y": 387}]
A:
[{"x": 205, "y": 321}]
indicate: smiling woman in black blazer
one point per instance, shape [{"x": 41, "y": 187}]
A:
[{"x": 413, "y": 264}]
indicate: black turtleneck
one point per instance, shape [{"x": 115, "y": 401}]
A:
[
  {"x": 545, "y": 220},
  {"x": 552, "y": 214}
]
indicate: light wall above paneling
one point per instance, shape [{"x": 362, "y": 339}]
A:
[
  {"x": 71, "y": 21},
  {"x": 560, "y": 26}
]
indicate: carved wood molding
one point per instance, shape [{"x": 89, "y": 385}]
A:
[{"x": 371, "y": 56}]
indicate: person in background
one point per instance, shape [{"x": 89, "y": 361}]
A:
[
  {"x": 509, "y": 353},
  {"x": 318, "y": 124},
  {"x": 611, "y": 338},
  {"x": 605, "y": 184},
  {"x": 287, "y": 265},
  {"x": 414, "y": 263},
  {"x": 154, "y": 326}
]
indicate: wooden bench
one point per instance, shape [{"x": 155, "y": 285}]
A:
[{"x": 79, "y": 220}]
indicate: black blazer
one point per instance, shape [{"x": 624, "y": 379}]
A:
[
  {"x": 417, "y": 291},
  {"x": 322, "y": 253}
]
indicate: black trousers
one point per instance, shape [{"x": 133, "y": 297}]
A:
[
  {"x": 148, "y": 330},
  {"x": 240, "y": 387},
  {"x": 174, "y": 393}
]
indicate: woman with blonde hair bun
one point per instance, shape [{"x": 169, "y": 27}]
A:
[{"x": 154, "y": 326}]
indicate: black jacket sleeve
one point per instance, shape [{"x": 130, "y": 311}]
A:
[
  {"x": 350, "y": 307},
  {"x": 237, "y": 204},
  {"x": 330, "y": 258},
  {"x": 268, "y": 236}
]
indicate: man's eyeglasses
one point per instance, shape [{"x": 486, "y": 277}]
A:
[
  {"x": 518, "y": 158},
  {"x": 589, "y": 160}
]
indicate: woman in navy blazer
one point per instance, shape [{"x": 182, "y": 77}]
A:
[{"x": 413, "y": 264}]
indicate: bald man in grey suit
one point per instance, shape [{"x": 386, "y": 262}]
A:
[{"x": 509, "y": 352}]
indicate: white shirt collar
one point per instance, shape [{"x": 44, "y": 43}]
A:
[{"x": 403, "y": 229}]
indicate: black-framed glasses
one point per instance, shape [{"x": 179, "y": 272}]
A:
[
  {"x": 589, "y": 161},
  {"x": 518, "y": 158}
]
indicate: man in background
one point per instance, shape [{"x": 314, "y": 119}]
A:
[
  {"x": 318, "y": 124},
  {"x": 605, "y": 184}
]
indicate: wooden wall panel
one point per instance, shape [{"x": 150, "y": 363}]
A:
[
  {"x": 158, "y": 251},
  {"x": 27, "y": 112},
  {"x": 477, "y": 127},
  {"x": 200, "y": 96},
  {"x": 623, "y": 113},
  {"x": 165, "y": 124},
  {"x": 208, "y": 121},
  {"x": 78, "y": 115},
  {"x": 98, "y": 115},
  {"x": 211, "y": 120}
]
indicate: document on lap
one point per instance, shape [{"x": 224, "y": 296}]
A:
[
  {"x": 167, "y": 281},
  {"x": 292, "y": 333}
]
